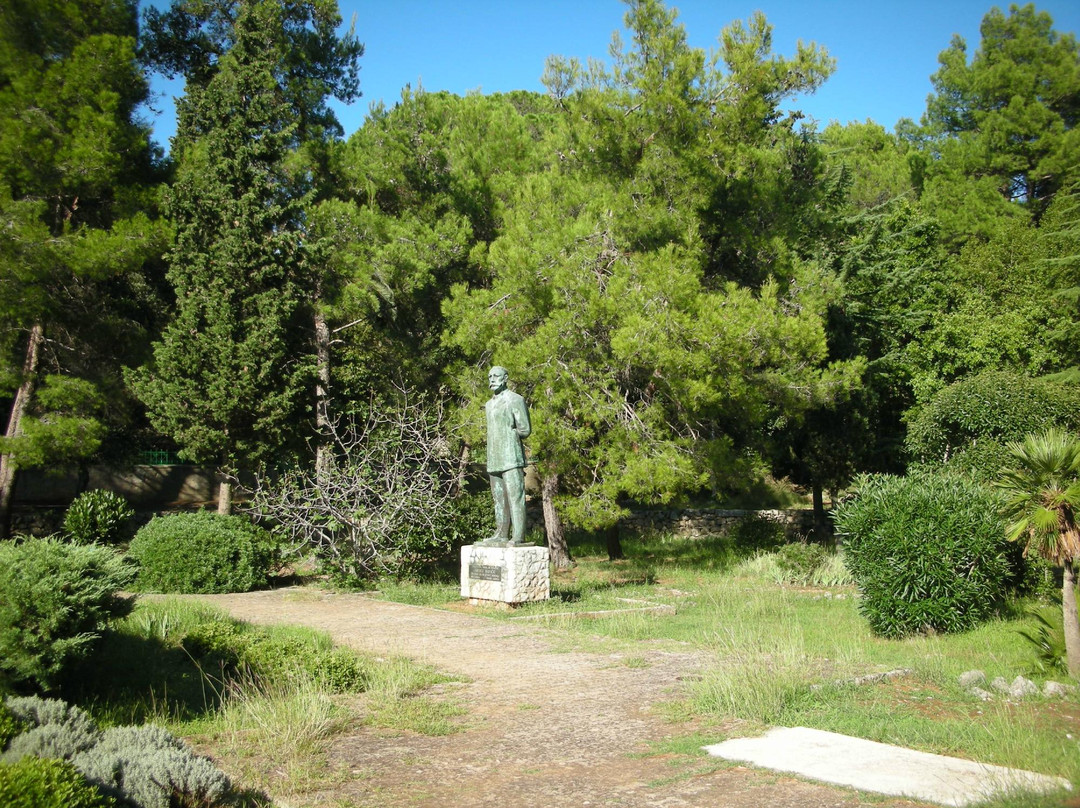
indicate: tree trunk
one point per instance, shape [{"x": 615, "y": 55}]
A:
[
  {"x": 322, "y": 396},
  {"x": 553, "y": 526},
  {"x": 614, "y": 544},
  {"x": 463, "y": 466},
  {"x": 14, "y": 426},
  {"x": 819, "y": 510},
  {"x": 224, "y": 497},
  {"x": 1070, "y": 621}
]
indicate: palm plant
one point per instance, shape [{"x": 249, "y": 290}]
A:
[{"x": 1043, "y": 494}]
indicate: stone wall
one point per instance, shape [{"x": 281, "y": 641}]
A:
[{"x": 700, "y": 522}]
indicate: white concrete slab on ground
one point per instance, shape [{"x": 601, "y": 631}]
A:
[{"x": 880, "y": 768}]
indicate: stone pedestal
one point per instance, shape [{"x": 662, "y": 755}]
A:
[{"x": 496, "y": 574}]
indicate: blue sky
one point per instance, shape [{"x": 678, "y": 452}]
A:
[{"x": 886, "y": 50}]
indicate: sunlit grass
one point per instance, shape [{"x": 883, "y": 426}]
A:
[{"x": 784, "y": 655}]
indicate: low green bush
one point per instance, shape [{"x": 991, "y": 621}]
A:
[
  {"x": 798, "y": 561},
  {"x": 97, "y": 517},
  {"x": 227, "y": 648},
  {"x": 759, "y": 534},
  {"x": 10, "y": 726},
  {"x": 142, "y": 766},
  {"x": 469, "y": 518},
  {"x": 45, "y": 783},
  {"x": 55, "y": 599},
  {"x": 927, "y": 551},
  {"x": 202, "y": 552}
]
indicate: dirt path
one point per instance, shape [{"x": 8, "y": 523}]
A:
[{"x": 545, "y": 728}]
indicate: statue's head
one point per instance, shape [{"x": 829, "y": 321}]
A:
[{"x": 497, "y": 378}]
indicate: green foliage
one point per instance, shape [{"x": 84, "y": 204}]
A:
[
  {"x": 232, "y": 370},
  {"x": 800, "y": 561},
  {"x": 927, "y": 551},
  {"x": 1041, "y": 484},
  {"x": 758, "y": 533},
  {"x": 468, "y": 517},
  {"x": 1047, "y": 641},
  {"x": 44, "y": 783},
  {"x": 230, "y": 649},
  {"x": 10, "y": 726},
  {"x": 994, "y": 305},
  {"x": 644, "y": 285},
  {"x": 144, "y": 766},
  {"x": 77, "y": 177},
  {"x": 97, "y": 517},
  {"x": 55, "y": 598},
  {"x": 967, "y": 425},
  {"x": 202, "y": 552},
  {"x": 1005, "y": 120}
]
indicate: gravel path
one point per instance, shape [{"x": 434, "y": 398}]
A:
[{"x": 545, "y": 728}]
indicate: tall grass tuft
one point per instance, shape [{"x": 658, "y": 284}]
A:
[{"x": 283, "y": 718}]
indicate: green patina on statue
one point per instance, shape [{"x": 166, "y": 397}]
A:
[{"x": 507, "y": 425}]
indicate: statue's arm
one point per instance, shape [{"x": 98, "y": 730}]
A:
[{"x": 521, "y": 419}]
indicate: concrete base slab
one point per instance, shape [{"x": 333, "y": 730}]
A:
[{"x": 880, "y": 768}]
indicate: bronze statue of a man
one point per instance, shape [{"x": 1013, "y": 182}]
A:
[{"x": 507, "y": 424}]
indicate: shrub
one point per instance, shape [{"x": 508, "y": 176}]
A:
[
  {"x": 758, "y": 533},
  {"x": 468, "y": 518},
  {"x": 927, "y": 551},
  {"x": 230, "y": 648},
  {"x": 55, "y": 598},
  {"x": 143, "y": 766},
  {"x": 10, "y": 726},
  {"x": 97, "y": 517},
  {"x": 53, "y": 729},
  {"x": 151, "y": 768},
  {"x": 966, "y": 425},
  {"x": 44, "y": 783},
  {"x": 798, "y": 561},
  {"x": 202, "y": 552}
]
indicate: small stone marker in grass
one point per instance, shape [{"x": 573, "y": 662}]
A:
[{"x": 881, "y": 768}]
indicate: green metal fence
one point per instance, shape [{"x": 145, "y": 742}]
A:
[{"x": 160, "y": 457}]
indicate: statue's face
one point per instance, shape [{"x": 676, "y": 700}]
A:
[{"x": 497, "y": 379}]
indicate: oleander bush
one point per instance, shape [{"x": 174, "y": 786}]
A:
[
  {"x": 202, "y": 552},
  {"x": 48, "y": 783},
  {"x": 927, "y": 551},
  {"x": 98, "y": 517},
  {"x": 55, "y": 600}
]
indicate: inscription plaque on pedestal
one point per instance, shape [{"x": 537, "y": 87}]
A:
[{"x": 486, "y": 572}]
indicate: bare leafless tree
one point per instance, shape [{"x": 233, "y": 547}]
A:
[{"x": 378, "y": 502}]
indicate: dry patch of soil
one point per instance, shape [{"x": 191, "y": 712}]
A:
[{"x": 544, "y": 728}]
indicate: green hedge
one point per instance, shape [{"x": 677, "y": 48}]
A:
[
  {"x": 202, "y": 552},
  {"x": 927, "y": 551}
]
